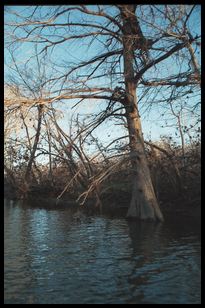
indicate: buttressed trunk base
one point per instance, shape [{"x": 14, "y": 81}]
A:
[{"x": 143, "y": 203}]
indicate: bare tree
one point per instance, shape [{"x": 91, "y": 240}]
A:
[{"x": 131, "y": 42}]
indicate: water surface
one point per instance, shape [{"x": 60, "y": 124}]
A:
[{"x": 50, "y": 258}]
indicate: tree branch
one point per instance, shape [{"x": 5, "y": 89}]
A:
[{"x": 163, "y": 57}]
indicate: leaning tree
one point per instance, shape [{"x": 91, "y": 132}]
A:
[{"x": 109, "y": 53}]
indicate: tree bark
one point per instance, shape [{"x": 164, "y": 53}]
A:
[{"x": 143, "y": 203}]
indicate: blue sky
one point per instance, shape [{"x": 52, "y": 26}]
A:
[{"x": 152, "y": 121}]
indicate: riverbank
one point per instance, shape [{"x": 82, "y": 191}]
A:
[
  {"x": 113, "y": 206},
  {"x": 176, "y": 181}
]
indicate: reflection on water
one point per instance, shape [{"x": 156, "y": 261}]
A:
[{"x": 52, "y": 259}]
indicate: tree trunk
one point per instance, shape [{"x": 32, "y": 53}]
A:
[
  {"x": 33, "y": 151},
  {"x": 143, "y": 203}
]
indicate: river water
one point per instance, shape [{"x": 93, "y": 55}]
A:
[{"x": 50, "y": 258}]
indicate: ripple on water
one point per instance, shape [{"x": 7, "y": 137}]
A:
[{"x": 49, "y": 258}]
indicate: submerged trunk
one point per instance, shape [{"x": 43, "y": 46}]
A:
[{"x": 143, "y": 204}]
